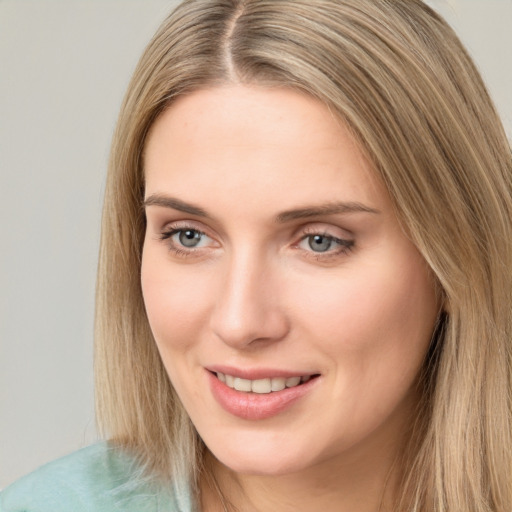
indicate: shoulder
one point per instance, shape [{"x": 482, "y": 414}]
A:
[{"x": 99, "y": 478}]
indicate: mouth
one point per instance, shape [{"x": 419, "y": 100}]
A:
[
  {"x": 268, "y": 394},
  {"x": 263, "y": 386}
]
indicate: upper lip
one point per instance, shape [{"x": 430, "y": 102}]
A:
[{"x": 258, "y": 373}]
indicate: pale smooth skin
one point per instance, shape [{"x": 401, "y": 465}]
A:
[{"x": 254, "y": 294}]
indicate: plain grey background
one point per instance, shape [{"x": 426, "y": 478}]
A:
[{"x": 64, "y": 66}]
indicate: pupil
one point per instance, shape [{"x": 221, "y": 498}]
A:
[
  {"x": 319, "y": 243},
  {"x": 189, "y": 238}
]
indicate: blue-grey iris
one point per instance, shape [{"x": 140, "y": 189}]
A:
[
  {"x": 189, "y": 237},
  {"x": 319, "y": 243}
]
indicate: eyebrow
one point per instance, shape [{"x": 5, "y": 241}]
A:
[
  {"x": 324, "y": 209},
  {"x": 281, "y": 218},
  {"x": 175, "y": 204}
]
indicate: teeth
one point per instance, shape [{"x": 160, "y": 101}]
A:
[
  {"x": 278, "y": 384},
  {"x": 242, "y": 384},
  {"x": 292, "y": 381},
  {"x": 261, "y": 386}
]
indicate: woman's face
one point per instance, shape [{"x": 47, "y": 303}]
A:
[{"x": 273, "y": 258}]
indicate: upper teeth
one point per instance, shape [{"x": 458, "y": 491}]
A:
[{"x": 261, "y": 385}]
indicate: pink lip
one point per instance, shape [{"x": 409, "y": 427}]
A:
[{"x": 254, "y": 406}]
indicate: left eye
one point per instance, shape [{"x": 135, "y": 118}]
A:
[{"x": 323, "y": 243}]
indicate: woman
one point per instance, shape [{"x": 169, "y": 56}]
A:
[{"x": 304, "y": 288}]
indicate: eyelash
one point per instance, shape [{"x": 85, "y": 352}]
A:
[
  {"x": 344, "y": 246},
  {"x": 167, "y": 235}
]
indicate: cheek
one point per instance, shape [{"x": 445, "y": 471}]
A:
[
  {"x": 175, "y": 304},
  {"x": 376, "y": 322}
]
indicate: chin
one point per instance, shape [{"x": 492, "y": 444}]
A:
[
  {"x": 263, "y": 466},
  {"x": 270, "y": 457}
]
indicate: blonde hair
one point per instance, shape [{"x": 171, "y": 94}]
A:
[{"x": 398, "y": 76}]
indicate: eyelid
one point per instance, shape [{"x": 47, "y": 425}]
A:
[
  {"x": 326, "y": 228},
  {"x": 170, "y": 232},
  {"x": 183, "y": 225}
]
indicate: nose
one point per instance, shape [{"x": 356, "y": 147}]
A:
[{"x": 248, "y": 311}]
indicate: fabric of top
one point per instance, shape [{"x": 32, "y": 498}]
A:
[{"x": 99, "y": 478}]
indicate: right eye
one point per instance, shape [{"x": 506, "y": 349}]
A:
[
  {"x": 185, "y": 239},
  {"x": 189, "y": 237}
]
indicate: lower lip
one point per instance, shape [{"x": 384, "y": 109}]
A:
[{"x": 256, "y": 406}]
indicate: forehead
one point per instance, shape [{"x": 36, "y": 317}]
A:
[{"x": 239, "y": 139}]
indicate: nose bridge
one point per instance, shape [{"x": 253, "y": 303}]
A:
[{"x": 247, "y": 308}]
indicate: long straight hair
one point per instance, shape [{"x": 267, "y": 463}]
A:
[{"x": 400, "y": 79}]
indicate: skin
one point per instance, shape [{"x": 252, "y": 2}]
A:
[{"x": 257, "y": 293}]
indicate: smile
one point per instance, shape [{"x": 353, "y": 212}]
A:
[
  {"x": 260, "y": 398},
  {"x": 261, "y": 386}
]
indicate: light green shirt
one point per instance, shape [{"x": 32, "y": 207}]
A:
[{"x": 99, "y": 478}]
